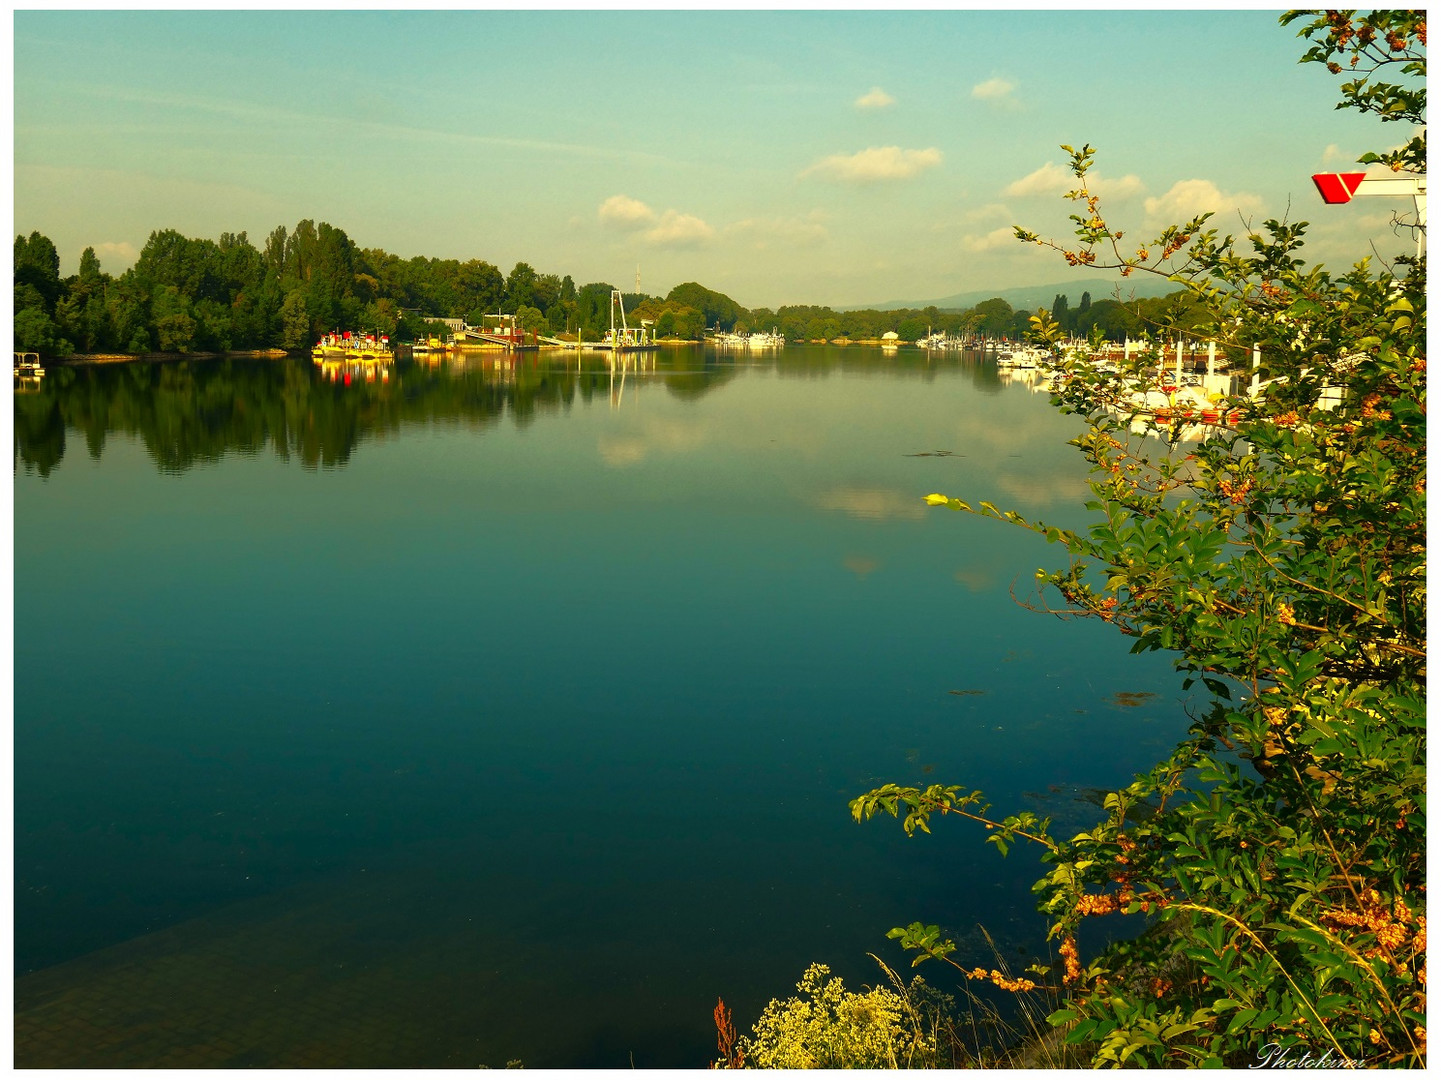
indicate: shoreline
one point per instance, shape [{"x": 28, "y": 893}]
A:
[{"x": 122, "y": 358}]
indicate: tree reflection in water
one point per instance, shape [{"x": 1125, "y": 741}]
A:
[{"x": 190, "y": 412}]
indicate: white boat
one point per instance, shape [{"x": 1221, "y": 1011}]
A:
[
  {"x": 728, "y": 339},
  {"x": 1022, "y": 357}
]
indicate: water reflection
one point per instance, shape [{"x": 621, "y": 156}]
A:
[
  {"x": 193, "y": 412},
  {"x": 471, "y": 732}
]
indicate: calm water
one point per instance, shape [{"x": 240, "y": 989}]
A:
[{"x": 481, "y": 713}]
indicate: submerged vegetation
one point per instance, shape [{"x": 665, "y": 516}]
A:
[{"x": 1278, "y": 853}]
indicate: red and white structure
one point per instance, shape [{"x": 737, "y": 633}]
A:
[{"x": 1343, "y": 187}]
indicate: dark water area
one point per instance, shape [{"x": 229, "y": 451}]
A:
[{"x": 470, "y": 711}]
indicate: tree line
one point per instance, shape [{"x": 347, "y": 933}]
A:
[{"x": 188, "y": 294}]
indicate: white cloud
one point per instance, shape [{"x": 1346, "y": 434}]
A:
[
  {"x": 1120, "y": 188},
  {"x": 1051, "y": 179},
  {"x": 670, "y": 229},
  {"x": 1334, "y": 155},
  {"x": 1187, "y": 198},
  {"x": 875, "y": 163},
  {"x": 997, "y": 90},
  {"x": 876, "y": 99},
  {"x": 679, "y": 230},
  {"x": 994, "y": 240},
  {"x": 624, "y": 212}
]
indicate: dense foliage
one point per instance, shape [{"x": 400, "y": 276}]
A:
[
  {"x": 193, "y": 295},
  {"x": 1279, "y": 851},
  {"x": 830, "y": 1027}
]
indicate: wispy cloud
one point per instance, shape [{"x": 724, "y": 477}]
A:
[
  {"x": 874, "y": 164},
  {"x": 989, "y": 212},
  {"x": 872, "y": 504},
  {"x": 876, "y": 99},
  {"x": 795, "y": 232},
  {"x": 623, "y": 212},
  {"x": 271, "y": 117},
  {"x": 1334, "y": 155},
  {"x": 996, "y": 91}
]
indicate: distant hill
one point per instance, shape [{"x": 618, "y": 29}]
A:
[{"x": 1029, "y": 297}]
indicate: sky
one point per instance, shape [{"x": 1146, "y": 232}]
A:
[{"x": 837, "y": 157}]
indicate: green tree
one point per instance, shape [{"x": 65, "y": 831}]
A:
[
  {"x": 531, "y": 319},
  {"x": 1061, "y": 311},
  {"x": 716, "y": 308},
  {"x": 995, "y": 317},
  {"x": 520, "y": 287},
  {"x": 689, "y": 323},
  {"x": 36, "y": 331},
  {"x": 37, "y": 266},
  {"x": 592, "y": 309},
  {"x": 1114, "y": 319},
  {"x": 175, "y": 324},
  {"x": 295, "y": 321},
  {"x": 1279, "y": 851},
  {"x": 912, "y": 328}
]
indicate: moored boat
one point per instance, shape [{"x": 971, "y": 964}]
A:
[
  {"x": 1021, "y": 357},
  {"x": 344, "y": 345}
]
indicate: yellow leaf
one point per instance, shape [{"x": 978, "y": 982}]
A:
[{"x": 937, "y": 500}]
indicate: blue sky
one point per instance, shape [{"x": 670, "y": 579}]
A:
[{"x": 829, "y": 157}]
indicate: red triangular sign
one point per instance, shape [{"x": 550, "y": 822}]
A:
[{"x": 1337, "y": 187}]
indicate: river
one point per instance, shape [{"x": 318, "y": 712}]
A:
[{"x": 483, "y": 711}]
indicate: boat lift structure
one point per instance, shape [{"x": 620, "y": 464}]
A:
[{"x": 625, "y": 338}]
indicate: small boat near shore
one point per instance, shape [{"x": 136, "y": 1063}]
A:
[{"x": 343, "y": 345}]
